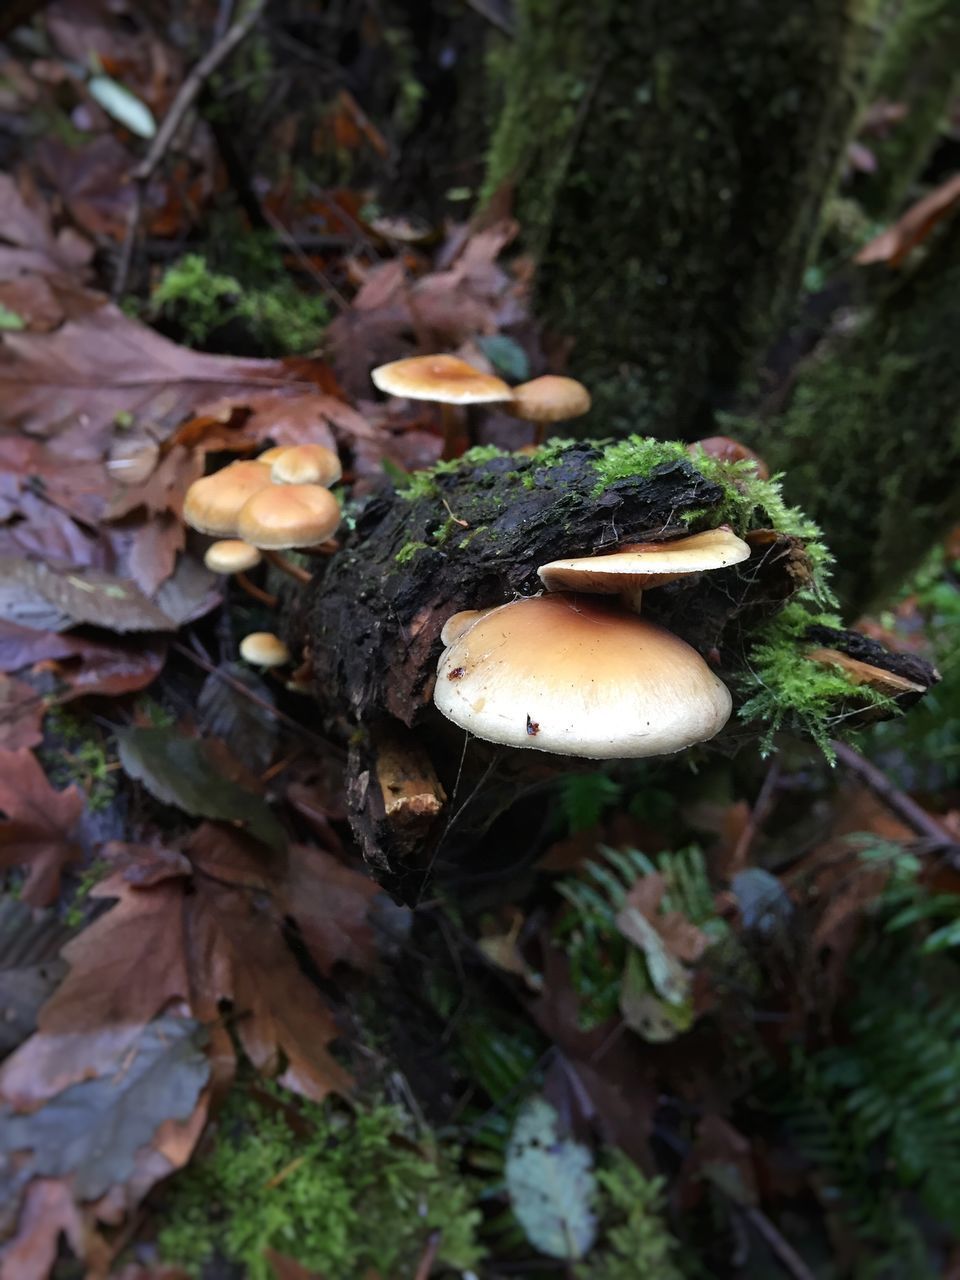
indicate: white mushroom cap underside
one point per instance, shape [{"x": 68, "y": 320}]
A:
[
  {"x": 645, "y": 564},
  {"x": 580, "y": 677}
]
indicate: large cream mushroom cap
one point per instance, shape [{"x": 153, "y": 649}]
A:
[
  {"x": 645, "y": 564},
  {"x": 578, "y": 676},
  {"x": 446, "y": 379},
  {"x": 213, "y": 503},
  {"x": 289, "y": 515}
]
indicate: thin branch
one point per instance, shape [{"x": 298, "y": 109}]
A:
[
  {"x": 186, "y": 96},
  {"x": 784, "y": 1251},
  {"x": 897, "y": 802}
]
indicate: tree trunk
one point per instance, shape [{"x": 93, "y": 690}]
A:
[
  {"x": 671, "y": 163},
  {"x": 918, "y": 69},
  {"x": 871, "y": 439},
  {"x": 472, "y": 535}
]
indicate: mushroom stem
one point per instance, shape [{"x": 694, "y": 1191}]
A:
[
  {"x": 451, "y": 432},
  {"x": 288, "y": 567},
  {"x": 252, "y": 589}
]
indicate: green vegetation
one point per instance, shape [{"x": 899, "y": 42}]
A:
[
  {"x": 79, "y": 753},
  {"x": 409, "y": 550},
  {"x": 256, "y": 290},
  {"x": 338, "y": 1193},
  {"x": 636, "y": 1241}
]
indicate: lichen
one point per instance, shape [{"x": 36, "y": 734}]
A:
[{"x": 342, "y": 1195}]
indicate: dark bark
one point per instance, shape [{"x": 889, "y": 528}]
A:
[{"x": 472, "y": 537}]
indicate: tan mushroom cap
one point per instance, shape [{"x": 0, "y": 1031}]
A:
[
  {"x": 305, "y": 464},
  {"x": 231, "y": 556},
  {"x": 645, "y": 564},
  {"x": 212, "y": 503},
  {"x": 549, "y": 399},
  {"x": 289, "y": 515},
  {"x": 577, "y": 676},
  {"x": 264, "y": 649},
  {"x": 447, "y": 379}
]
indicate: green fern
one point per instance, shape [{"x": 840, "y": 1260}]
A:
[{"x": 596, "y": 950}]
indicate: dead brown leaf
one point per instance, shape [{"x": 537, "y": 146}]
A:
[
  {"x": 48, "y": 1211},
  {"x": 330, "y": 902},
  {"x": 894, "y": 245},
  {"x": 681, "y": 938},
  {"x": 124, "y": 968},
  {"x": 73, "y": 383},
  {"x": 40, "y": 826},
  {"x": 21, "y": 715}
]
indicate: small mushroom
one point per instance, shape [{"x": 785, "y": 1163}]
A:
[
  {"x": 634, "y": 566},
  {"x": 264, "y": 649},
  {"x": 448, "y": 380},
  {"x": 577, "y": 676},
  {"x": 233, "y": 558},
  {"x": 726, "y": 449},
  {"x": 304, "y": 464},
  {"x": 547, "y": 400},
  {"x": 213, "y": 503}
]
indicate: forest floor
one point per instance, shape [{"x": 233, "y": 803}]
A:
[{"x": 708, "y": 1026}]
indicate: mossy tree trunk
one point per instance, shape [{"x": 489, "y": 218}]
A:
[
  {"x": 918, "y": 68},
  {"x": 671, "y": 162},
  {"x": 871, "y": 438}
]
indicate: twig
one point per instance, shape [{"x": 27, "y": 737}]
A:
[
  {"x": 784, "y": 1251},
  {"x": 191, "y": 87},
  {"x": 274, "y": 712},
  {"x": 429, "y": 1256},
  {"x": 897, "y": 802},
  {"x": 757, "y": 814},
  {"x": 494, "y": 14}
]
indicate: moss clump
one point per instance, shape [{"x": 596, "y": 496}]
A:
[
  {"x": 257, "y": 292},
  {"x": 342, "y": 1195},
  {"x": 784, "y": 690},
  {"x": 423, "y": 484},
  {"x": 636, "y": 1240},
  {"x": 408, "y": 551},
  {"x": 79, "y": 754}
]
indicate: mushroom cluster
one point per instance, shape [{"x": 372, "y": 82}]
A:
[
  {"x": 453, "y": 383},
  {"x": 576, "y": 674},
  {"x": 256, "y": 509}
]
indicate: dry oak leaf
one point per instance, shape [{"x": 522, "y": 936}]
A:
[
  {"x": 124, "y": 968},
  {"x": 73, "y": 383},
  {"x": 40, "y": 826},
  {"x": 47, "y": 1212},
  {"x": 238, "y": 954},
  {"x": 894, "y": 245},
  {"x": 21, "y": 715},
  {"x": 330, "y": 902}
]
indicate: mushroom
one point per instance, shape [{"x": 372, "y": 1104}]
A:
[
  {"x": 212, "y": 503},
  {"x": 634, "y": 566},
  {"x": 549, "y": 399},
  {"x": 303, "y": 464},
  {"x": 577, "y": 676},
  {"x": 233, "y": 557},
  {"x": 288, "y": 516},
  {"x": 726, "y": 449},
  {"x": 458, "y": 623},
  {"x": 264, "y": 649},
  {"x": 448, "y": 380}
]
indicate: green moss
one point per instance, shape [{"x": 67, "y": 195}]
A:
[
  {"x": 423, "y": 484},
  {"x": 81, "y": 756},
  {"x": 340, "y": 1194},
  {"x": 408, "y": 551},
  {"x": 785, "y": 690},
  {"x": 636, "y": 1241},
  {"x": 636, "y": 456},
  {"x": 256, "y": 290}
]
